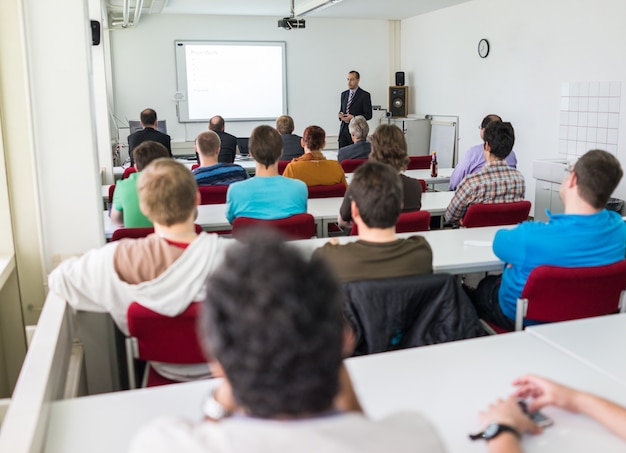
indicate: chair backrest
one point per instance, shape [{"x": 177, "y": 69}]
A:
[
  {"x": 167, "y": 339},
  {"x": 111, "y": 192},
  {"x": 282, "y": 164},
  {"x": 407, "y": 223},
  {"x": 194, "y": 166},
  {"x": 349, "y": 165},
  {"x": 128, "y": 171},
  {"x": 494, "y": 214},
  {"x": 554, "y": 293},
  {"x": 423, "y": 184},
  {"x": 213, "y": 194},
  {"x": 327, "y": 191},
  {"x": 419, "y": 163},
  {"x": 298, "y": 226},
  {"x": 136, "y": 233},
  {"x": 397, "y": 313}
]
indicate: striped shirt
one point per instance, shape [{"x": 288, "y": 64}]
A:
[
  {"x": 496, "y": 182},
  {"x": 219, "y": 174}
]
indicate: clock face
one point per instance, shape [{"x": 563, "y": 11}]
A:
[{"x": 483, "y": 48}]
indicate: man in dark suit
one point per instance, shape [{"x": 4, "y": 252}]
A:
[
  {"x": 148, "y": 120},
  {"x": 228, "y": 147},
  {"x": 361, "y": 148},
  {"x": 292, "y": 147},
  {"x": 354, "y": 101}
]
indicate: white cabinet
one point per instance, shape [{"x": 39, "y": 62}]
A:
[{"x": 547, "y": 197}]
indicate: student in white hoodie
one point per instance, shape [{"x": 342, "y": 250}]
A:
[{"x": 164, "y": 272}]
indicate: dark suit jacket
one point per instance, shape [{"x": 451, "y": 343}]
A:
[
  {"x": 361, "y": 105},
  {"x": 291, "y": 147},
  {"x": 358, "y": 150},
  {"x": 144, "y": 135},
  {"x": 228, "y": 147}
]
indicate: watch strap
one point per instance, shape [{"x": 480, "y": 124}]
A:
[{"x": 501, "y": 429}]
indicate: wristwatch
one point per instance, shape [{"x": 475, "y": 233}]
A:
[
  {"x": 212, "y": 409},
  {"x": 493, "y": 430}
]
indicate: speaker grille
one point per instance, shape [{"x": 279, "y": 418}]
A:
[{"x": 398, "y": 102}]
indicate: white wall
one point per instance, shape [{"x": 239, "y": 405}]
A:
[
  {"x": 535, "y": 46},
  {"x": 318, "y": 59}
]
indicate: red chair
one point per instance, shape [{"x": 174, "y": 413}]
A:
[
  {"x": 419, "y": 163},
  {"x": 129, "y": 171},
  {"x": 553, "y": 294},
  {"x": 158, "y": 338},
  {"x": 423, "y": 184},
  {"x": 111, "y": 192},
  {"x": 136, "y": 233},
  {"x": 194, "y": 166},
  {"x": 331, "y": 190},
  {"x": 298, "y": 226},
  {"x": 282, "y": 164},
  {"x": 349, "y": 165},
  {"x": 408, "y": 222},
  {"x": 493, "y": 214},
  {"x": 213, "y": 194}
]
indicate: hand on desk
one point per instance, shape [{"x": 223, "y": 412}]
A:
[{"x": 508, "y": 412}]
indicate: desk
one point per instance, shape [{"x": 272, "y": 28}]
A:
[
  {"x": 451, "y": 254},
  {"x": 596, "y": 342},
  {"x": 449, "y": 383},
  {"x": 443, "y": 176},
  {"x": 118, "y": 172}
]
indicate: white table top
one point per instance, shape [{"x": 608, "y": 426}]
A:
[
  {"x": 451, "y": 252},
  {"x": 448, "y": 383},
  {"x": 598, "y": 342},
  {"x": 443, "y": 176}
]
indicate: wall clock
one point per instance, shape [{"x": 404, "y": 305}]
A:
[{"x": 483, "y": 48}]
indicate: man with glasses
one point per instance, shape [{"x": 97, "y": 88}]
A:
[
  {"x": 585, "y": 235},
  {"x": 473, "y": 159}
]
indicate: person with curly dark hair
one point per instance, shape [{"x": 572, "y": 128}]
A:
[{"x": 277, "y": 336}]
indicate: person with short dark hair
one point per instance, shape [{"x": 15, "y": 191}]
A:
[
  {"x": 292, "y": 146},
  {"x": 211, "y": 172},
  {"x": 312, "y": 167},
  {"x": 585, "y": 235},
  {"x": 164, "y": 271},
  {"x": 354, "y": 101},
  {"x": 149, "y": 123},
  {"x": 125, "y": 210},
  {"x": 361, "y": 148},
  {"x": 376, "y": 202},
  {"x": 268, "y": 195},
  {"x": 277, "y": 338},
  {"x": 474, "y": 159},
  {"x": 496, "y": 182},
  {"x": 228, "y": 142},
  {"x": 389, "y": 147}
]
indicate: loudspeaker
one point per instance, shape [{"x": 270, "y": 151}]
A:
[
  {"x": 95, "y": 33},
  {"x": 398, "y": 101},
  {"x": 400, "y": 79}
]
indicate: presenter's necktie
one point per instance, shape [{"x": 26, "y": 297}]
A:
[{"x": 349, "y": 101}]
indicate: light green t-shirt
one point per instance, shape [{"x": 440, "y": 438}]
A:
[{"x": 126, "y": 199}]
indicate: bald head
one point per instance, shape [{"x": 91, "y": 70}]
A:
[{"x": 216, "y": 123}]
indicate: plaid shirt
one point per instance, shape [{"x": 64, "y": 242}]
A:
[{"x": 496, "y": 182}]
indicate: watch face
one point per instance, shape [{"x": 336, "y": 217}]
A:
[
  {"x": 491, "y": 430},
  {"x": 483, "y": 48}
]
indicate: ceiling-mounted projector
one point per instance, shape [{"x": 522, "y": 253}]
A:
[{"x": 289, "y": 23}]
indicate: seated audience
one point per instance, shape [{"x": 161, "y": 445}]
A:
[
  {"x": 125, "y": 210},
  {"x": 375, "y": 204},
  {"x": 228, "y": 146},
  {"x": 389, "y": 146},
  {"x": 543, "y": 392},
  {"x": 211, "y": 172},
  {"x": 149, "y": 123},
  {"x": 474, "y": 158},
  {"x": 164, "y": 272},
  {"x": 361, "y": 148},
  {"x": 277, "y": 337},
  {"x": 312, "y": 167},
  {"x": 292, "y": 143},
  {"x": 585, "y": 235},
  {"x": 268, "y": 195},
  {"x": 496, "y": 182}
]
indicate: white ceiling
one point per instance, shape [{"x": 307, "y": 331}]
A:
[{"x": 347, "y": 9}]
